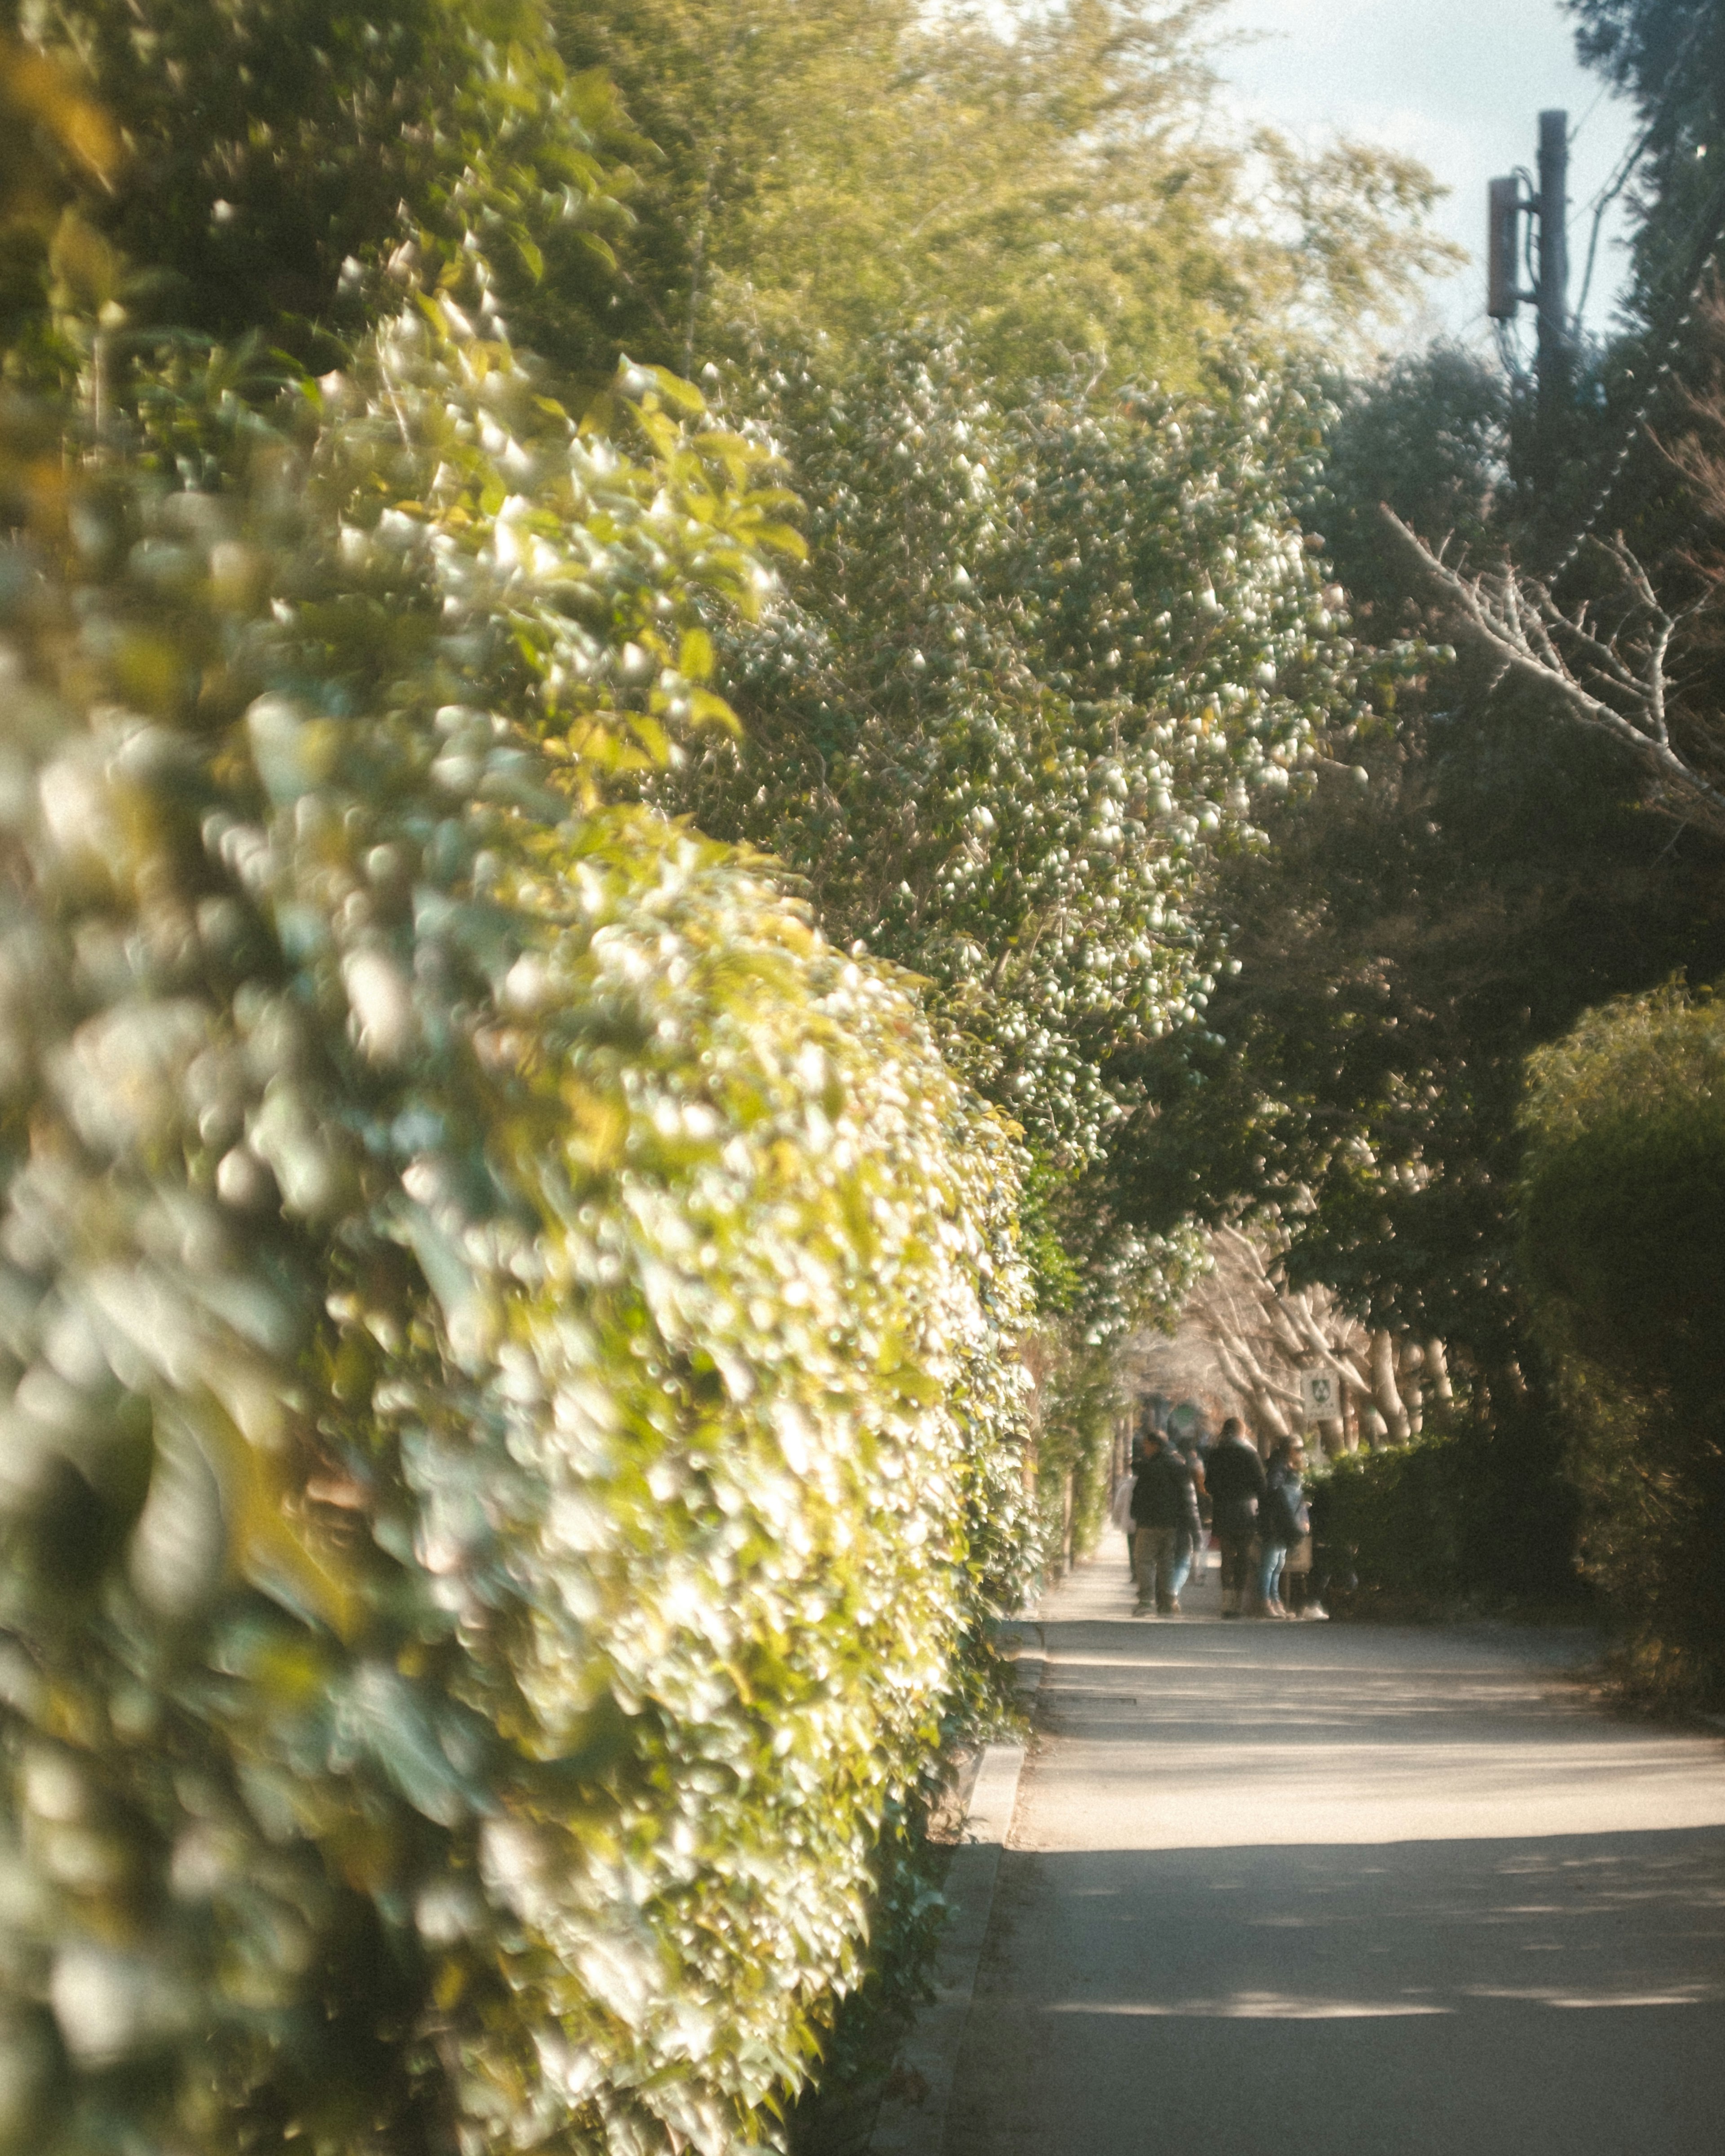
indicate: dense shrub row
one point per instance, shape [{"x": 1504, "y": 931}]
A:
[
  {"x": 1611, "y": 1462},
  {"x": 506, "y": 1331}
]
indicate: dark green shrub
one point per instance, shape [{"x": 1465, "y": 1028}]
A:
[
  {"x": 1622, "y": 1209},
  {"x": 1389, "y": 1530},
  {"x": 1476, "y": 1514}
]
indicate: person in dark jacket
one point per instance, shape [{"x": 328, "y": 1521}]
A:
[
  {"x": 1283, "y": 1518},
  {"x": 1235, "y": 1477},
  {"x": 1165, "y": 1512},
  {"x": 1121, "y": 1511}
]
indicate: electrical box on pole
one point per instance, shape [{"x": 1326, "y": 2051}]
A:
[{"x": 1504, "y": 245}]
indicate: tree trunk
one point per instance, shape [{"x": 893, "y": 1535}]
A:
[
  {"x": 1385, "y": 1398},
  {"x": 1410, "y": 1370}
]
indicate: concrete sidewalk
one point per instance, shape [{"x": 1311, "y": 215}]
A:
[{"x": 1329, "y": 1890}]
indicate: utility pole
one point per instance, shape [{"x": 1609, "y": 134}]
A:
[
  {"x": 1553, "y": 287},
  {"x": 1510, "y": 200},
  {"x": 1507, "y": 204}
]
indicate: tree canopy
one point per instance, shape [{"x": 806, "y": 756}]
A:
[
  {"x": 1055, "y": 179},
  {"x": 1669, "y": 57}
]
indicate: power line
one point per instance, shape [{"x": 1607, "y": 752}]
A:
[
  {"x": 1600, "y": 96},
  {"x": 1632, "y": 157},
  {"x": 1602, "y": 202},
  {"x": 1710, "y": 229}
]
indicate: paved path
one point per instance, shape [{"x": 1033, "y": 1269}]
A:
[{"x": 1331, "y": 1889}]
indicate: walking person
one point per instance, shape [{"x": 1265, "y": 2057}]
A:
[
  {"x": 1283, "y": 1519},
  {"x": 1165, "y": 1507},
  {"x": 1121, "y": 1511},
  {"x": 1234, "y": 1475},
  {"x": 1193, "y": 1455},
  {"x": 1300, "y": 1582}
]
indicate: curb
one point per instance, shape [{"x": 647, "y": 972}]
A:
[{"x": 912, "y": 2118}]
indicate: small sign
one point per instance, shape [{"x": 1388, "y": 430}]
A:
[{"x": 1320, "y": 1396}]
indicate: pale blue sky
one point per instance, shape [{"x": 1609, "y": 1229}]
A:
[{"x": 1460, "y": 84}]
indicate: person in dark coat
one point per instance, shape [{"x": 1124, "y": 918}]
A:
[
  {"x": 1235, "y": 1477},
  {"x": 1165, "y": 1512}
]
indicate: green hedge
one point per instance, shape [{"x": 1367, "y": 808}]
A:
[
  {"x": 511, "y": 1418},
  {"x": 1622, "y": 1208},
  {"x": 1477, "y": 1514}
]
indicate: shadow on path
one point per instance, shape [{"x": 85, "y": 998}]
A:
[
  {"x": 1518, "y": 1947},
  {"x": 1495, "y": 1998}
]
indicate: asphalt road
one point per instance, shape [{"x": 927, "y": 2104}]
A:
[{"x": 1329, "y": 1890}]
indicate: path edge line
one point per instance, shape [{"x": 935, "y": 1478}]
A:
[{"x": 912, "y": 2118}]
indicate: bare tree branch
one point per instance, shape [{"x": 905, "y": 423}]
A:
[
  {"x": 1263, "y": 1333},
  {"x": 1613, "y": 679}
]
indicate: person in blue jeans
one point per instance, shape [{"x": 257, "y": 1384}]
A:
[{"x": 1284, "y": 1517}]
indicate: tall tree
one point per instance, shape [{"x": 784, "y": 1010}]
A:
[
  {"x": 1044, "y": 658},
  {"x": 1668, "y": 56},
  {"x": 1416, "y": 926},
  {"x": 1056, "y": 178}
]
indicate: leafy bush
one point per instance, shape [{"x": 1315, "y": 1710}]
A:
[
  {"x": 1623, "y": 1197},
  {"x": 1078, "y": 1401},
  {"x": 1622, "y": 1209},
  {"x": 506, "y": 1332},
  {"x": 1389, "y": 1526}
]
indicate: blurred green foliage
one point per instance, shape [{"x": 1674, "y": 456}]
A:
[
  {"x": 511, "y": 1422},
  {"x": 504, "y": 1324},
  {"x": 269, "y": 153}
]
